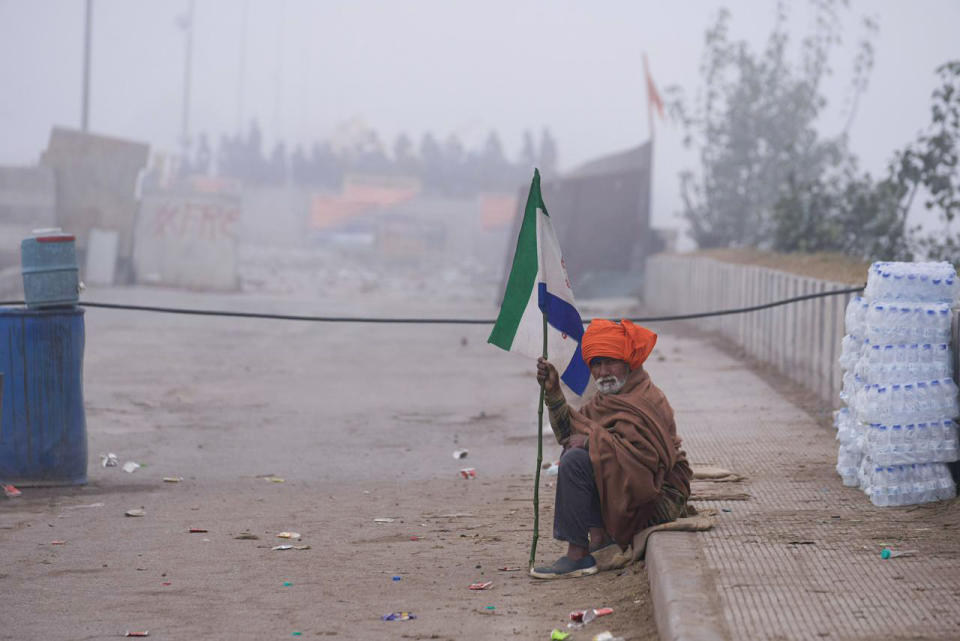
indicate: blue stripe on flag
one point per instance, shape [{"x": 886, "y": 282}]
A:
[
  {"x": 577, "y": 374},
  {"x": 560, "y": 314},
  {"x": 565, "y": 318}
]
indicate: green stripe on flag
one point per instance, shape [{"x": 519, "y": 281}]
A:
[{"x": 523, "y": 273}]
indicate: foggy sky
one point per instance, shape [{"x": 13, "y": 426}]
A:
[{"x": 430, "y": 65}]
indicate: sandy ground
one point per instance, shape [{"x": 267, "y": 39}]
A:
[{"x": 360, "y": 421}]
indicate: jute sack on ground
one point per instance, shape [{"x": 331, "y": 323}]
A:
[{"x": 612, "y": 558}]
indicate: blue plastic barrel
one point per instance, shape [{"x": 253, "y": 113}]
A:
[
  {"x": 48, "y": 262},
  {"x": 43, "y": 429}
]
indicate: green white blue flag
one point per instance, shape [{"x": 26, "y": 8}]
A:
[{"x": 538, "y": 283}]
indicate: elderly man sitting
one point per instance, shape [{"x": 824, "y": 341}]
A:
[{"x": 622, "y": 468}]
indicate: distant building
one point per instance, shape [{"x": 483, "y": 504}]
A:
[
  {"x": 601, "y": 214},
  {"x": 96, "y": 179}
]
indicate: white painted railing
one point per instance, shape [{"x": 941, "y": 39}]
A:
[{"x": 802, "y": 340}]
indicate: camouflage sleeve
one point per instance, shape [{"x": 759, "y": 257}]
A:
[{"x": 559, "y": 416}]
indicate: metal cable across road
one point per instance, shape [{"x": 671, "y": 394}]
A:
[{"x": 438, "y": 321}]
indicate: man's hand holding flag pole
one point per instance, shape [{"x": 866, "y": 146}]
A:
[{"x": 538, "y": 315}]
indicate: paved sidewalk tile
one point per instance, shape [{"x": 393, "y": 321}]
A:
[{"x": 801, "y": 558}]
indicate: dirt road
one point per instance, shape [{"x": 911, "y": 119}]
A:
[{"x": 360, "y": 422}]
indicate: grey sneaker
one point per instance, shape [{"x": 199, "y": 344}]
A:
[
  {"x": 566, "y": 568},
  {"x": 607, "y": 542}
]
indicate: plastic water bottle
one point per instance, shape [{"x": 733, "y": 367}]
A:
[
  {"x": 937, "y": 398},
  {"x": 881, "y": 407},
  {"x": 910, "y": 404},
  {"x": 923, "y": 286},
  {"x": 924, "y": 441},
  {"x": 941, "y": 354},
  {"x": 897, "y": 446},
  {"x": 889, "y": 356},
  {"x": 837, "y": 414},
  {"x": 910, "y": 443},
  {"x": 943, "y": 323},
  {"x": 876, "y": 487},
  {"x": 875, "y": 315},
  {"x": 937, "y": 287},
  {"x": 948, "y": 449},
  {"x": 894, "y": 485},
  {"x": 923, "y": 398},
  {"x": 909, "y": 485},
  {"x": 851, "y": 315},
  {"x": 905, "y": 323},
  {"x": 922, "y": 486},
  {"x": 951, "y": 407},
  {"x": 871, "y": 440},
  {"x": 936, "y": 324},
  {"x": 849, "y": 458},
  {"x": 911, "y": 281},
  {"x": 945, "y": 487},
  {"x": 923, "y": 483},
  {"x": 895, "y": 398},
  {"x": 930, "y": 482},
  {"x": 878, "y": 444}
]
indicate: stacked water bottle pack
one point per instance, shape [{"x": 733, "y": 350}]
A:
[{"x": 898, "y": 432}]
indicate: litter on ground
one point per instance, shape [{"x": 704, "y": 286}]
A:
[
  {"x": 399, "y": 616},
  {"x": 887, "y": 553},
  {"x": 290, "y": 547},
  {"x": 580, "y": 618},
  {"x": 81, "y": 507},
  {"x": 481, "y": 586},
  {"x": 606, "y": 635}
]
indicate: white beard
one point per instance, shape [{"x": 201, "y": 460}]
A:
[{"x": 610, "y": 384}]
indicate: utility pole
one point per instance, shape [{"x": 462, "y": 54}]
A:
[
  {"x": 186, "y": 23},
  {"x": 278, "y": 74},
  {"x": 241, "y": 68},
  {"x": 85, "y": 111}
]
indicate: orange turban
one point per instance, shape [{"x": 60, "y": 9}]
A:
[{"x": 623, "y": 341}]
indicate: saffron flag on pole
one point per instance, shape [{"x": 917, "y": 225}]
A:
[
  {"x": 538, "y": 283},
  {"x": 653, "y": 96}
]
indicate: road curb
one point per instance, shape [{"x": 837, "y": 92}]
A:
[{"x": 686, "y": 605}]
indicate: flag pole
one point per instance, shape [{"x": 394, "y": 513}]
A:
[
  {"x": 651, "y": 131},
  {"x": 536, "y": 483},
  {"x": 648, "y": 80}
]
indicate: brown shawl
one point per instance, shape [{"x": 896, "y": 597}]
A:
[{"x": 634, "y": 448}]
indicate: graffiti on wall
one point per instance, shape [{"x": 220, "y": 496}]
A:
[
  {"x": 207, "y": 220},
  {"x": 188, "y": 240}
]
